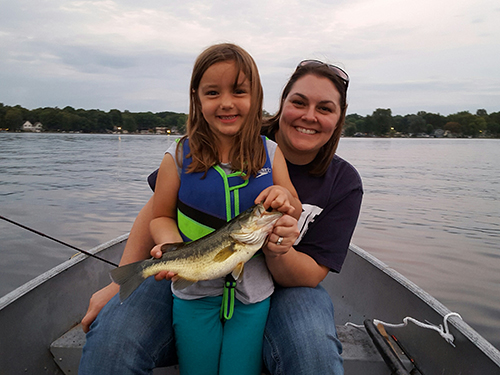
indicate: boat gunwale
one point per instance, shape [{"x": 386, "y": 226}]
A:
[
  {"x": 459, "y": 324},
  {"x": 37, "y": 281}
]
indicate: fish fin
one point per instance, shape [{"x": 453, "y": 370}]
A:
[
  {"x": 182, "y": 283},
  {"x": 129, "y": 277},
  {"x": 172, "y": 246},
  {"x": 224, "y": 253},
  {"x": 238, "y": 271}
]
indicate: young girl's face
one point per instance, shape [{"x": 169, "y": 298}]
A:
[{"x": 224, "y": 106}]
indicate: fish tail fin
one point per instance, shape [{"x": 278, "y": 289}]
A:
[{"x": 129, "y": 277}]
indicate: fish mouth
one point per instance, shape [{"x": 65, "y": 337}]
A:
[
  {"x": 258, "y": 226},
  {"x": 264, "y": 216}
]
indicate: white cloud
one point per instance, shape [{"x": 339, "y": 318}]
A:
[{"x": 435, "y": 55}]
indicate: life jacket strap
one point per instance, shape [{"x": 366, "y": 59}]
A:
[{"x": 227, "y": 307}]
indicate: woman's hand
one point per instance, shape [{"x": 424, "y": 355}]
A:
[
  {"x": 282, "y": 238},
  {"x": 289, "y": 267},
  {"x": 97, "y": 302},
  {"x": 156, "y": 252}
]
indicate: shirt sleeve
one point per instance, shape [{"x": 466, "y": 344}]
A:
[
  {"x": 328, "y": 237},
  {"x": 329, "y": 234},
  {"x": 153, "y": 176}
]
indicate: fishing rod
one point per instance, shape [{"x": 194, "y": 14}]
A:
[{"x": 58, "y": 241}]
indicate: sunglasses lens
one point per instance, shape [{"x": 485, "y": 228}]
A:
[{"x": 339, "y": 72}]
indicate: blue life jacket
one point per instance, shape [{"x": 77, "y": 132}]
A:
[{"x": 206, "y": 204}]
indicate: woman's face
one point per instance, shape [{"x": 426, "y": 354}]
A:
[{"x": 310, "y": 115}]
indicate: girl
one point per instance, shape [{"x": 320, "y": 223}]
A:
[{"x": 223, "y": 166}]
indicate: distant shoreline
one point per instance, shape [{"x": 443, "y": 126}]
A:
[{"x": 402, "y": 136}]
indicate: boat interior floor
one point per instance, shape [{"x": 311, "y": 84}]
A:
[{"x": 359, "y": 353}]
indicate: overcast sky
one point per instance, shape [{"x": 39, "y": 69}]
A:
[{"x": 440, "y": 56}]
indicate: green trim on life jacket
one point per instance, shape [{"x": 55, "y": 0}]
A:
[
  {"x": 191, "y": 228},
  {"x": 228, "y": 190}
]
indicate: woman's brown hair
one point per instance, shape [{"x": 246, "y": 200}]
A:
[
  {"x": 248, "y": 153},
  {"x": 325, "y": 155}
]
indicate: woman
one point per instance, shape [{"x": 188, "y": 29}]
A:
[{"x": 300, "y": 335}]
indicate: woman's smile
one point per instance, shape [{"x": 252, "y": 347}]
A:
[{"x": 305, "y": 131}]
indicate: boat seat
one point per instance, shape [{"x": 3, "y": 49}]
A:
[
  {"x": 67, "y": 351},
  {"x": 359, "y": 353}
]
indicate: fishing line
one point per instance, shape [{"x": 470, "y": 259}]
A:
[{"x": 58, "y": 241}]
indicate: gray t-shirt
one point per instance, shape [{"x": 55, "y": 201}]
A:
[{"x": 256, "y": 284}]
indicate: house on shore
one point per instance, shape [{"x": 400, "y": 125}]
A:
[{"x": 29, "y": 127}]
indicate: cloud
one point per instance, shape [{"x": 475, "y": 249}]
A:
[{"x": 138, "y": 55}]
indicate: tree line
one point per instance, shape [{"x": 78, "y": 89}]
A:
[
  {"x": 380, "y": 123},
  {"x": 462, "y": 124},
  {"x": 69, "y": 119}
]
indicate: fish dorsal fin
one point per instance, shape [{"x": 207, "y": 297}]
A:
[
  {"x": 238, "y": 271},
  {"x": 182, "y": 283},
  {"x": 172, "y": 246},
  {"x": 224, "y": 254}
]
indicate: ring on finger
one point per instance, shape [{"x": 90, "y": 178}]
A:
[{"x": 280, "y": 240}]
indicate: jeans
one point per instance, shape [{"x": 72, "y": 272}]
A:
[
  {"x": 136, "y": 336},
  {"x": 300, "y": 336},
  {"x": 132, "y": 337}
]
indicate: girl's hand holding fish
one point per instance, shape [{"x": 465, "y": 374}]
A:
[{"x": 167, "y": 275}]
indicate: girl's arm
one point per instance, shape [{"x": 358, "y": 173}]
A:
[
  {"x": 282, "y": 196},
  {"x": 163, "y": 227}
]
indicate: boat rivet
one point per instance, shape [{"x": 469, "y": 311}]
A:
[{"x": 60, "y": 359}]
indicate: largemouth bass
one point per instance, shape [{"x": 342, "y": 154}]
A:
[{"x": 216, "y": 255}]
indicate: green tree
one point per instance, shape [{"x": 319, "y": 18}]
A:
[
  {"x": 49, "y": 118},
  {"x": 453, "y": 127},
  {"x": 359, "y": 121},
  {"x": 465, "y": 119},
  {"x": 400, "y": 124},
  {"x": 435, "y": 119},
  {"x": 115, "y": 117},
  {"x": 493, "y": 125},
  {"x": 147, "y": 120},
  {"x": 350, "y": 129},
  {"x": 14, "y": 118},
  {"x": 416, "y": 124},
  {"x": 382, "y": 121},
  {"x": 477, "y": 127},
  {"x": 481, "y": 113},
  {"x": 181, "y": 123},
  {"x": 129, "y": 123},
  {"x": 3, "y": 111}
]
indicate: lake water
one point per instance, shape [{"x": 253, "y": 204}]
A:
[{"x": 431, "y": 208}]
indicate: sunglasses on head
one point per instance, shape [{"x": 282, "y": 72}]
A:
[{"x": 338, "y": 72}]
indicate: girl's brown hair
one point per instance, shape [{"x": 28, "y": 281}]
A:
[
  {"x": 325, "y": 155},
  {"x": 248, "y": 153}
]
